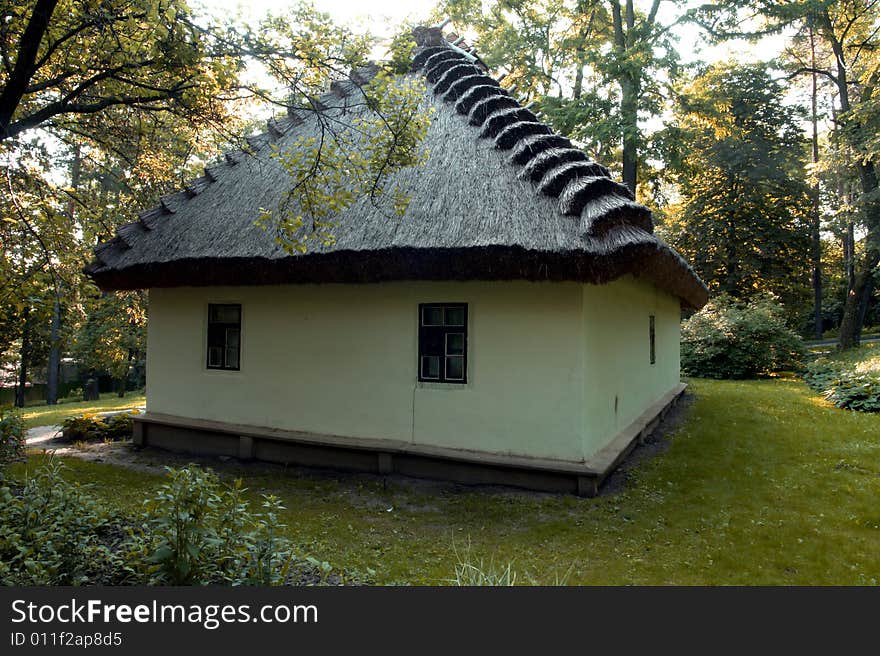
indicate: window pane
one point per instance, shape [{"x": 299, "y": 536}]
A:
[
  {"x": 215, "y": 356},
  {"x": 455, "y": 367},
  {"x": 431, "y": 366},
  {"x": 432, "y": 316},
  {"x": 454, "y": 343},
  {"x": 454, "y": 316},
  {"x": 232, "y": 358},
  {"x": 216, "y": 336},
  {"x": 232, "y": 337},
  {"x": 225, "y": 314}
]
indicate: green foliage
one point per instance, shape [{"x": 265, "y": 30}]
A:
[
  {"x": 74, "y": 394},
  {"x": 730, "y": 338},
  {"x": 401, "y": 50},
  {"x": 850, "y": 380},
  {"x": 334, "y": 169},
  {"x": 738, "y": 157},
  {"x": 114, "y": 333},
  {"x": 197, "y": 531},
  {"x": 143, "y": 53},
  {"x": 49, "y": 532},
  {"x": 193, "y": 530},
  {"x": 12, "y": 435},
  {"x": 90, "y": 428},
  {"x": 590, "y": 69}
]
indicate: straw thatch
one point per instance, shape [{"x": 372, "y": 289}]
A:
[{"x": 501, "y": 197}]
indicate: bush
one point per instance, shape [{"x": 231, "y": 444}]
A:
[
  {"x": 729, "y": 338},
  {"x": 846, "y": 382},
  {"x": 193, "y": 531},
  {"x": 50, "y": 532},
  {"x": 74, "y": 395},
  {"x": 12, "y": 435},
  {"x": 197, "y": 531},
  {"x": 89, "y": 428}
]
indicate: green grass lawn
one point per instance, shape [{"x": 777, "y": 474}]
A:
[
  {"x": 52, "y": 415},
  {"x": 764, "y": 483}
]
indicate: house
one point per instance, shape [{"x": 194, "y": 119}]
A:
[{"x": 519, "y": 324}]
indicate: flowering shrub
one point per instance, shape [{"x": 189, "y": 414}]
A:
[{"x": 730, "y": 338}]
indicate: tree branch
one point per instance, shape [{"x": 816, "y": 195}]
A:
[{"x": 24, "y": 69}]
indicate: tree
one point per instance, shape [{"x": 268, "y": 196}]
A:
[
  {"x": 850, "y": 32},
  {"x": 738, "y": 161},
  {"x": 106, "y": 106},
  {"x": 567, "y": 53},
  {"x": 113, "y": 336},
  {"x": 141, "y": 53}
]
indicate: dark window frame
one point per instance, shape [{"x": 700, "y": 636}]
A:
[
  {"x": 432, "y": 335},
  {"x": 213, "y": 341},
  {"x": 652, "y": 337}
]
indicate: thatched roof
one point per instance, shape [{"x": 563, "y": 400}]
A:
[{"x": 501, "y": 197}]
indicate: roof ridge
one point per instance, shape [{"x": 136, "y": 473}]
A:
[{"x": 582, "y": 186}]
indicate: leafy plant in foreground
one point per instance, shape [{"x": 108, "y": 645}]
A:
[
  {"x": 49, "y": 532},
  {"x": 196, "y": 530},
  {"x": 12, "y": 435}
]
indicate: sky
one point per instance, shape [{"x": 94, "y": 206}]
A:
[{"x": 380, "y": 17}]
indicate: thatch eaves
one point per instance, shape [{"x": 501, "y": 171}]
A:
[{"x": 501, "y": 197}]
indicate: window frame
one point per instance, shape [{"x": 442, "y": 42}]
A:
[
  {"x": 224, "y": 366},
  {"x": 443, "y": 330}
]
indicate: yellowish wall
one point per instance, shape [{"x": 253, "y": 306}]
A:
[
  {"x": 617, "y": 355},
  {"x": 341, "y": 360}
]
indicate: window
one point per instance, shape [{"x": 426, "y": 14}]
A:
[
  {"x": 224, "y": 336},
  {"x": 443, "y": 342},
  {"x": 651, "y": 338}
]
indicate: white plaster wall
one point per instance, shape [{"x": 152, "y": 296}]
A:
[
  {"x": 617, "y": 364},
  {"x": 545, "y": 362},
  {"x": 341, "y": 360}
]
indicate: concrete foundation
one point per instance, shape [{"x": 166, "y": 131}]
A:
[{"x": 385, "y": 457}]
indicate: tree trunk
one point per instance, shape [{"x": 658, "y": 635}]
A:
[
  {"x": 867, "y": 292},
  {"x": 853, "y": 311},
  {"x": 624, "y": 36},
  {"x": 25, "y": 354},
  {"x": 853, "y": 314},
  {"x": 849, "y": 256},
  {"x": 850, "y": 327},
  {"x": 54, "y": 352},
  {"x": 578, "y": 88},
  {"x": 581, "y": 50},
  {"x": 816, "y": 213},
  {"x": 629, "y": 93}
]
